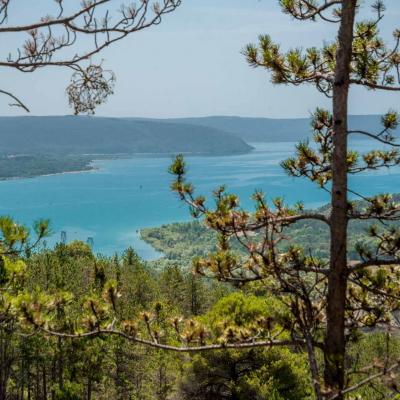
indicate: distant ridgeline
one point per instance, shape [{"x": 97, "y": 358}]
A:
[
  {"x": 276, "y": 130},
  {"x": 93, "y": 135},
  {"x": 32, "y": 146}
]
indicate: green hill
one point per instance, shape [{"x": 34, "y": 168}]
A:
[
  {"x": 32, "y": 146},
  {"x": 93, "y": 135}
]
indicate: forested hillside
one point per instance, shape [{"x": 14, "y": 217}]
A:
[
  {"x": 34, "y": 366},
  {"x": 33, "y": 165},
  {"x": 47, "y": 145},
  {"x": 32, "y": 146},
  {"x": 90, "y": 135},
  {"x": 181, "y": 242}
]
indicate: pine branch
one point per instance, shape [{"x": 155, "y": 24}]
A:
[
  {"x": 305, "y": 9},
  {"x": 18, "y": 103},
  {"x": 375, "y": 262},
  {"x": 375, "y": 136},
  {"x": 177, "y": 349},
  {"x": 359, "y": 385},
  {"x": 372, "y": 85}
]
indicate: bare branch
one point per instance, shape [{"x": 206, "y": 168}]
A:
[
  {"x": 384, "y": 372},
  {"x": 375, "y": 136},
  {"x": 18, "y": 103},
  {"x": 305, "y": 9},
  {"x": 374, "y": 263},
  {"x": 371, "y": 85},
  {"x": 43, "y": 43}
]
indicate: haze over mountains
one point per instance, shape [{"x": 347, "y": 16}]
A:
[
  {"x": 275, "y": 130},
  {"x": 32, "y": 146},
  {"x": 92, "y": 135},
  {"x": 207, "y": 135}
]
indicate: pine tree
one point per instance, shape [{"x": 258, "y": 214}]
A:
[
  {"x": 327, "y": 304},
  {"x": 330, "y": 300},
  {"x": 70, "y": 36}
]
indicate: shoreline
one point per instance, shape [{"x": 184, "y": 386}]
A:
[
  {"x": 14, "y": 178},
  {"x": 101, "y": 157},
  {"x": 160, "y": 254},
  {"x": 80, "y": 171}
]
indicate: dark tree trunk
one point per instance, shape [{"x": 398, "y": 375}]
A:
[
  {"x": 89, "y": 388},
  {"x": 119, "y": 372},
  {"x": 44, "y": 381},
  {"x": 337, "y": 286},
  {"x": 53, "y": 376},
  {"x": 3, "y": 366},
  {"x": 37, "y": 375},
  {"x": 29, "y": 383},
  {"x": 60, "y": 364},
  {"x": 7, "y": 359}
]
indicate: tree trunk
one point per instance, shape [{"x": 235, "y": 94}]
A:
[
  {"x": 53, "y": 376},
  {"x": 29, "y": 383},
  {"x": 60, "y": 363},
  {"x": 44, "y": 381},
  {"x": 119, "y": 372},
  {"x": 89, "y": 388},
  {"x": 7, "y": 359},
  {"x": 337, "y": 286},
  {"x": 37, "y": 375}
]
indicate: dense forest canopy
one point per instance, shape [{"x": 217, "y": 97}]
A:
[{"x": 38, "y": 367}]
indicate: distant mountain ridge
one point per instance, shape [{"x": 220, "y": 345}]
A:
[
  {"x": 274, "y": 130},
  {"x": 204, "y": 135},
  {"x": 97, "y": 135},
  {"x": 32, "y": 146}
]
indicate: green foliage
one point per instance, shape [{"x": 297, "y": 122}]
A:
[
  {"x": 265, "y": 374},
  {"x": 237, "y": 313},
  {"x": 69, "y": 293},
  {"x": 72, "y": 290},
  {"x": 256, "y": 374},
  {"x": 374, "y": 350},
  {"x": 75, "y": 249},
  {"x": 181, "y": 242},
  {"x": 69, "y": 391},
  {"x": 373, "y": 63}
]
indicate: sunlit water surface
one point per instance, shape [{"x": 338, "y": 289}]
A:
[{"x": 112, "y": 203}]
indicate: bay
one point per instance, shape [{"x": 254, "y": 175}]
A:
[{"x": 112, "y": 203}]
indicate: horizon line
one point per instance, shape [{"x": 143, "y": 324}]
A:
[{"x": 171, "y": 118}]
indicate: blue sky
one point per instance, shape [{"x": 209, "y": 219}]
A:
[{"x": 191, "y": 65}]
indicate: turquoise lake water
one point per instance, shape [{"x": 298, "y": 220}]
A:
[{"x": 112, "y": 203}]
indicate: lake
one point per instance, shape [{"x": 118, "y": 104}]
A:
[{"x": 112, "y": 203}]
